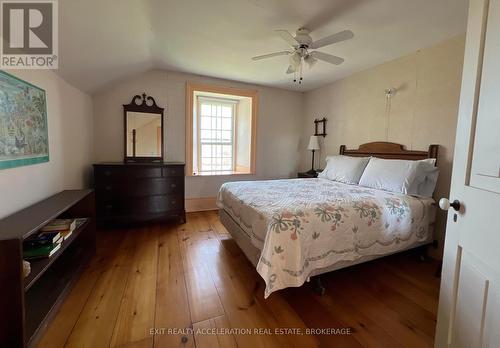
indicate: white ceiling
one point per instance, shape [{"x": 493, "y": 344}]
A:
[{"x": 105, "y": 40}]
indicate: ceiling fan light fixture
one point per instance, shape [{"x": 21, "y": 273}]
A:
[
  {"x": 301, "y": 43},
  {"x": 310, "y": 61},
  {"x": 295, "y": 60}
]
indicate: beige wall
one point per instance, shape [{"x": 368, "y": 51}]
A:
[
  {"x": 70, "y": 146},
  {"x": 423, "y": 112},
  {"x": 278, "y": 129}
]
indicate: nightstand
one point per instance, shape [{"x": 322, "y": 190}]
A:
[{"x": 307, "y": 175}]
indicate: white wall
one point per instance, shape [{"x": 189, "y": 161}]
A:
[
  {"x": 423, "y": 112},
  {"x": 69, "y": 113},
  {"x": 278, "y": 129}
]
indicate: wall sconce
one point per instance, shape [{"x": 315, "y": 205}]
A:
[{"x": 390, "y": 92}]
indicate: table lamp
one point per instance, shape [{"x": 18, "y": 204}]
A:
[{"x": 313, "y": 146}]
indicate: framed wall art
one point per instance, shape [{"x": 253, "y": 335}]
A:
[{"x": 23, "y": 123}]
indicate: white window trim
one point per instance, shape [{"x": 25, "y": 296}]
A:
[{"x": 191, "y": 88}]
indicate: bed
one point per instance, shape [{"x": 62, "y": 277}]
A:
[{"x": 293, "y": 229}]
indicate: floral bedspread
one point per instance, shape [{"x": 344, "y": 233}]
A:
[{"x": 306, "y": 224}]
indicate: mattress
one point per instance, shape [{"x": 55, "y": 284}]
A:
[{"x": 303, "y": 225}]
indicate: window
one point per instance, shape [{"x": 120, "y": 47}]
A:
[
  {"x": 216, "y": 129},
  {"x": 220, "y": 130}
]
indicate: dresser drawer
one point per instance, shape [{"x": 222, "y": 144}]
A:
[
  {"x": 141, "y": 205},
  {"x": 129, "y": 172},
  {"x": 122, "y": 187},
  {"x": 173, "y": 170}
]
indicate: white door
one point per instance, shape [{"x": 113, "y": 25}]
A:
[{"x": 469, "y": 304}]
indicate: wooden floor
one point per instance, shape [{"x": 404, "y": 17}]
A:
[{"x": 145, "y": 281}]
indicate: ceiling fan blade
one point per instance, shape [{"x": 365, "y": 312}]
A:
[
  {"x": 327, "y": 57},
  {"x": 270, "y": 55},
  {"x": 338, "y": 37},
  {"x": 285, "y": 35},
  {"x": 290, "y": 70}
]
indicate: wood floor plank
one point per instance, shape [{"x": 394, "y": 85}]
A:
[
  {"x": 137, "y": 309},
  {"x": 241, "y": 272},
  {"x": 415, "y": 314},
  {"x": 406, "y": 288},
  {"x": 95, "y": 325},
  {"x": 420, "y": 274},
  {"x": 172, "y": 308},
  {"x": 276, "y": 311},
  {"x": 317, "y": 317},
  {"x": 241, "y": 308},
  {"x": 225, "y": 340},
  {"x": 216, "y": 224},
  {"x": 205, "y": 336},
  {"x": 59, "y": 330},
  {"x": 197, "y": 242},
  {"x": 366, "y": 331},
  {"x": 145, "y": 343},
  {"x": 350, "y": 291}
]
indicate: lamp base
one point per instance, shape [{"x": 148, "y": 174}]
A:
[{"x": 312, "y": 171}]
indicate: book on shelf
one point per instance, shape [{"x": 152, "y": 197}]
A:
[
  {"x": 47, "y": 238},
  {"x": 41, "y": 252},
  {"x": 60, "y": 225},
  {"x": 78, "y": 222}
]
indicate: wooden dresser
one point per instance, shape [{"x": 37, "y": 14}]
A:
[{"x": 138, "y": 192}]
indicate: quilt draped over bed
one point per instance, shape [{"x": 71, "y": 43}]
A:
[{"x": 305, "y": 224}]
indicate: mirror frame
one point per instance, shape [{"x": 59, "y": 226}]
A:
[{"x": 148, "y": 105}]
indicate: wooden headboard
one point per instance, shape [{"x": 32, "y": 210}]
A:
[{"x": 384, "y": 149}]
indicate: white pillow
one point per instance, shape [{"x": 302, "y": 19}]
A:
[
  {"x": 409, "y": 177},
  {"x": 390, "y": 175},
  {"x": 344, "y": 169},
  {"x": 426, "y": 178}
]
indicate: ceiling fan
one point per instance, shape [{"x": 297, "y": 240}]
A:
[{"x": 301, "y": 43}]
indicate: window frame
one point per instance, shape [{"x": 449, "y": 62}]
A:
[
  {"x": 232, "y": 142},
  {"x": 191, "y": 105}
]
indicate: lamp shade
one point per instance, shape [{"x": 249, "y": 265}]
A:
[{"x": 313, "y": 143}]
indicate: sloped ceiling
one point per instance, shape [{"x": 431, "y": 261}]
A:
[{"x": 106, "y": 40}]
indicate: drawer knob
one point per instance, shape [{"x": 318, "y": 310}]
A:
[
  {"x": 108, "y": 188},
  {"x": 108, "y": 206},
  {"x": 173, "y": 185},
  {"x": 107, "y": 173}
]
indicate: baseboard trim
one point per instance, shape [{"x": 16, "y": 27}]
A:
[{"x": 200, "y": 204}]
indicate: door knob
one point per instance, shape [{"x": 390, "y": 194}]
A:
[{"x": 445, "y": 204}]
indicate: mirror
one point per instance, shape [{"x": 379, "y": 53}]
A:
[{"x": 143, "y": 130}]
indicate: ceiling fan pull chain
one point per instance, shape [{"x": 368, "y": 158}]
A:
[{"x": 300, "y": 72}]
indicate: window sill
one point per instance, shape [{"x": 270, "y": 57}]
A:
[{"x": 221, "y": 173}]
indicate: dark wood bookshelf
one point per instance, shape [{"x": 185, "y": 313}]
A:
[{"x": 29, "y": 304}]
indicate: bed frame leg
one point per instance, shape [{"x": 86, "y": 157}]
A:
[
  {"x": 423, "y": 256},
  {"x": 318, "y": 287}
]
